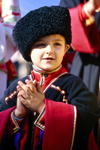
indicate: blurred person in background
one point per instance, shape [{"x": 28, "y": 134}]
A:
[
  {"x": 85, "y": 59},
  {"x": 23, "y": 67},
  {"x": 9, "y": 15}
]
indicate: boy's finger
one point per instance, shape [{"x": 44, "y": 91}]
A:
[
  {"x": 39, "y": 89},
  {"x": 23, "y": 101},
  {"x": 18, "y": 88},
  {"x": 25, "y": 95},
  {"x": 34, "y": 82},
  {"x": 23, "y": 86},
  {"x": 31, "y": 85}
]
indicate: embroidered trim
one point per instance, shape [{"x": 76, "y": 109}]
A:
[
  {"x": 30, "y": 77},
  {"x": 42, "y": 79},
  {"x": 54, "y": 81},
  {"x": 65, "y": 100},
  {"x": 16, "y": 128},
  {"x": 53, "y": 86},
  {"x": 74, "y": 126},
  {"x": 37, "y": 121},
  {"x": 10, "y": 96},
  {"x": 58, "y": 89}
]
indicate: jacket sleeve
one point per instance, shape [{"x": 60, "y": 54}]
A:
[
  {"x": 10, "y": 95},
  {"x": 90, "y": 34},
  {"x": 88, "y": 111},
  {"x": 11, "y": 139}
]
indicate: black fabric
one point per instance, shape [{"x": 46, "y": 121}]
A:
[
  {"x": 38, "y": 23},
  {"x": 88, "y": 69}
]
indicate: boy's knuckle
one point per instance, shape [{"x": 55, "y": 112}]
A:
[{"x": 27, "y": 90}]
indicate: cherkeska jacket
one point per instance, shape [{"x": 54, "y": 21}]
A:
[{"x": 66, "y": 122}]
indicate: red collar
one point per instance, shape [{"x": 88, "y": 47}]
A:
[{"x": 44, "y": 78}]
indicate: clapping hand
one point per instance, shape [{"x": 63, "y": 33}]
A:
[{"x": 30, "y": 97}]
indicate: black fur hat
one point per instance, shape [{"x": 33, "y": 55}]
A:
[{"x": 38, "y": 23}]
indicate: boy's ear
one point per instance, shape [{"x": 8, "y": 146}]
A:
[{"x": 67, "y": 47}]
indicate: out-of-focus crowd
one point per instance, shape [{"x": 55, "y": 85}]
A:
[{"x": 10, "y": 59}]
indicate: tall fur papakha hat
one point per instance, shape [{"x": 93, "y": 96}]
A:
[{"x": 38, "y": 23}]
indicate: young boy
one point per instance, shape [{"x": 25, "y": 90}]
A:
[{"x": 50, "y": 93}]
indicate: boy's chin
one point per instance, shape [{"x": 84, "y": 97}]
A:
[{"x": 50, "y": 69}]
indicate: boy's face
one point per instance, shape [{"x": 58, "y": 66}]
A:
[{"x": 47, "y": 53}]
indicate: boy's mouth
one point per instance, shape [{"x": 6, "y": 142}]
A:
[{"x": 48, "y": 58}]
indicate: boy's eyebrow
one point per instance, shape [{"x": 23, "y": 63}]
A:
[
  {"x": 58, "y": 40},
  {"x": 41, "y": 40}
]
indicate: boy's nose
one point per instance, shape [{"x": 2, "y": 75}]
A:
[{"x": 49, "y": 49}]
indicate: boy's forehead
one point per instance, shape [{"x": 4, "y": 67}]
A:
[{"x": 57, "y": 37}]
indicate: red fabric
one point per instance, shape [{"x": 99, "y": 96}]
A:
[
  {"x": 0, "y": 7},
  {"x": 4, "y": 116},
  {"x": 37, "y": 132},
  {"x": 12, "y": 13},
  {"x": 24, "y": 134},
  {"x": 82, "y": 42},
  {"x": 68, "y": 58},
  {"x": 36, "y": 137},
  {"x": 3, "y": 67},
  {"x": 49, "y": 78},
  {"x": 92, "y": 144},
  {"x": 82, "y": 13},
  {"x": 12, "y": 72},
  {"x": 58, "y": 126}
]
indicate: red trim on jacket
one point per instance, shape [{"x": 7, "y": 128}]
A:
[{"x": 59, "y": 120}]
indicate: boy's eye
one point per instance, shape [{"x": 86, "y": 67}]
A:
[
  {"x": 41, "y": 45},
  {"x": 57, "y": 44}
]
